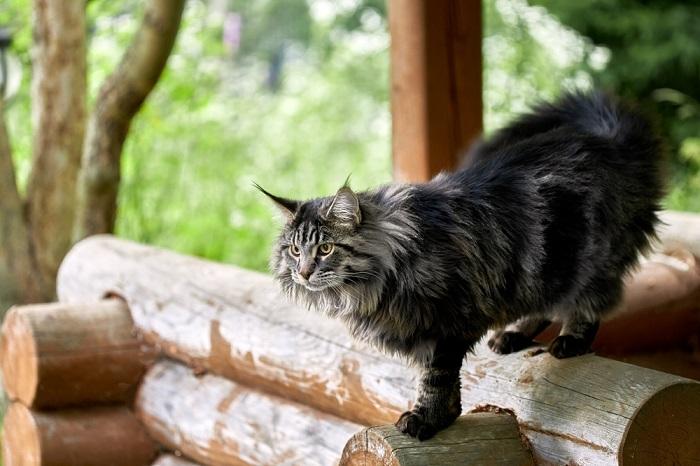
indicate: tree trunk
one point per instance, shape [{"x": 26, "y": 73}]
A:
[
  {"x": 58, "y": 111},
  {"x": 119, "y": 99},
  {"x": 18, "y": 280},
  {"x": 584, "y": 410}
]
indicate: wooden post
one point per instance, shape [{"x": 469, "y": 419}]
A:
[
  {"x": 436, "y": 86},
  {"x": 584, "y": 410},
  {"x": 88, "y": 437},
  {"x": 217, "y": 421},
  {"x": 56, "y": 355},
  {"x": 479, "y": 438}
]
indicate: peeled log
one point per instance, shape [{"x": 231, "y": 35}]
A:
[
  {"x": 57, "y": 355},
  {"x": 89, "y": 437},
  {"x": 483, "y": 438},
  {"x": 585, "y": 410},
  {"x": 219, "y": 422},
  {"x": 680, "y": 230},
  {"x": 172, "y": 460}
]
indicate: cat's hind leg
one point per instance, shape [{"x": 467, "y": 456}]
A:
[
  {"x": 518, "y": 335},
  {"x": 575, "y": 338},
  {"x": 579, "y": 327}
]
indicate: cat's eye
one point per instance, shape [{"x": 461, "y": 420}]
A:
[
  {"x": 326, "y": 248},
  {"x": 294, "y": 250}
]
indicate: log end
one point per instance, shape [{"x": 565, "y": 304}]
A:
[
  {"x": 85, "y": 437},
  {"x": 478, "y": 438},
  {"x": 664, "y": 430},
  {"x": 18, "y": 357},
  {"x": 21, "y": 444}
]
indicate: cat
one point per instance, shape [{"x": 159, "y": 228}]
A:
[{"x": 542, "y": 226}]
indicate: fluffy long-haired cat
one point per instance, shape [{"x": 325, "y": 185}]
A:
[{"x": 543, "y": 225}]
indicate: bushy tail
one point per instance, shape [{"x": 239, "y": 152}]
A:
[{"x": 595, "y": 114}]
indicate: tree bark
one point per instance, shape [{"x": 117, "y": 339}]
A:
[
  {"x": 120, "y": 98},
  {"x": 584, "y": 410},
  {"x": 58, "y": 110},
  {"x": 479, "y": 438},
  {"x": 19, "y": 281},
  {"x": 219, "y": 422}
]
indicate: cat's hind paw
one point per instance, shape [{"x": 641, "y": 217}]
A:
[
  {"x": 566, "y": 346},
  {"x": 509, "y": 342}
]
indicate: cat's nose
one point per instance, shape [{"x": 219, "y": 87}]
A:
[{"x": 306, "y": 271}]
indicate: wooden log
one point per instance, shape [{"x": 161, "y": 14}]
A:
[
  {"x": 436, "y": 72},
  {"x": 219, "y": 422},
  {"x": 90, "y": 437},
  {"x": 479, "y": 438},
  {"x": 584, "y": 410},
  {"x": 173, "y": 460},
  {"x": 56, "y": 355},
  {"x": 680, "y": 230}
]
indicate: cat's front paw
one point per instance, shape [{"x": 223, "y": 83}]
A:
[
  {"x": 415, "y": 425},
  {"x": 418, "y": 425}
]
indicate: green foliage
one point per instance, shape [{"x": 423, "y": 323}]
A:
[{"x": 212, "y": 125}]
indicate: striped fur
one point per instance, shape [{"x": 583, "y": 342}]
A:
[{"x": 543, "y": 225}]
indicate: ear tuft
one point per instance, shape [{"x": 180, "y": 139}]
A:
[
  {"x": 345, "y": 207},
  {"x": 287, "y": 206}
]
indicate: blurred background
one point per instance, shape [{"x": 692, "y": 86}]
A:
[{"x": 294, "y": 94}]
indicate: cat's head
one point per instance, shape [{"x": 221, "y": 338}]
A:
[{"x": 322, "y": 253}]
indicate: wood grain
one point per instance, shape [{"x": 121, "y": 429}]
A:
[
  {"x": 58, "y": 355},
  {"x": 219, "y": 422},
  {"x": 480, "y": 438},
  {"x": 234, "y": 323}
]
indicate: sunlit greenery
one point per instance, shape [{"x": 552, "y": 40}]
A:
[{"x": 297, "y": 107}]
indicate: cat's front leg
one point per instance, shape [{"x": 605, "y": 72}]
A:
[{"x": 438, "y": 403}]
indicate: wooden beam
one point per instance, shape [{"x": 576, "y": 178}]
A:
[
  {"x": 584, "y": 410},
  {"x": 436, "y": 84},
  {"x": 479, "y": 438}
]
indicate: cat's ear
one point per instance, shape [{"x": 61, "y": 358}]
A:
[
  {"x": 288, "y": 207},
  {"x": 345, "y": 207}
]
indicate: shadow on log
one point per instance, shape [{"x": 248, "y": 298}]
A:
[
  {"x": 87, "y": 437},
  {"x": 586, "y": 410},
  {"x": 57, "y": 355},
  {"x": 483, "y": 438}
]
